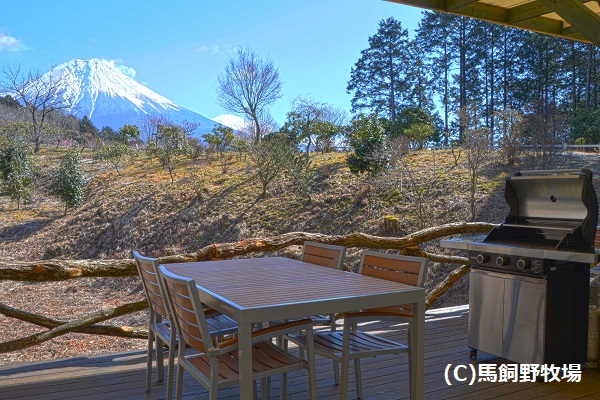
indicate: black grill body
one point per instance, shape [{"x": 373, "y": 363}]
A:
[{"x": 529, "y": 284}]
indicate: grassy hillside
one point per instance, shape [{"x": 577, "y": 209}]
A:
[{"x": 141, "y": 208}]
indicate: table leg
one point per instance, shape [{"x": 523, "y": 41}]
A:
[
  {"x": 245, "y": 357},
  {"x": 416, "y": 355}
]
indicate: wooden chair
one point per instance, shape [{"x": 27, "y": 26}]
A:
[
  {"x": 216, "y": 367},
  {"x": 329, "y": 256},
  {"x": 325, "y": 255},
  {"x": 353, "y": 344},
  {"x": 160, "y": 329}
]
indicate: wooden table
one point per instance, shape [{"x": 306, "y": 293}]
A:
[{"x": 258, "y": 290}]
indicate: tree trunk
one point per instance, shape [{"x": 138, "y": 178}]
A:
[{"x": 58, "y": 270}]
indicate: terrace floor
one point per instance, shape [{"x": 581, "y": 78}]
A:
[{"x": 122, "y": 376}]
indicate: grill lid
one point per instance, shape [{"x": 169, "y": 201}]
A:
[{"x": 549, "y": 208}]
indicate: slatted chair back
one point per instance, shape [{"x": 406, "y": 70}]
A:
[
  {"x": 597, "y": 240},
  {"x": 148, "y": 270},
  {"x": 326, "y": 255},
  {"x": 394, "y": 267},
  {"x": 185, "y": 306}
]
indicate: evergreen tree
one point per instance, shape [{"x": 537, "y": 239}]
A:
[
  {"x": 366, "y": 135},
  {"x": 86, "y": 126},
  {"x": 129, "y": 133},
  {"x": 379, "y": 78},
  {"x": 169, "y": 145},
  {"x": 220, "y": 139},
  {"x": 433, "y": 36},
  {"x": 17, "y": 172},
  {"x": 108, "y": 134},
  {"x": 69, "y": 182}
]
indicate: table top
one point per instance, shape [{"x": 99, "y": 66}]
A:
[{"x": 265, "y": 289}]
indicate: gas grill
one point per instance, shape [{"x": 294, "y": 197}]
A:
[{"x": 529, "y": 282}]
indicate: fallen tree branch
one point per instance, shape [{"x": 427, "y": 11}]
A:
[
  {"x": 56, "y": 270},
  {"x": 72, "y": 326},
  {"x": 446, "y": 284},
  {"x": 106, "y": 330}
]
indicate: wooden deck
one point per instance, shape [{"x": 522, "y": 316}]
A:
[{"x": 121, "y": 376}]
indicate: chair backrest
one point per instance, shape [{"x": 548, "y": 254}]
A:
[
  {"x": 326, "y": 255},
  {"x": 404, "y": 269},
  {"x": 597, "y": 240},
  {"x": 184, "y": 304},
  {"x": 148, "y": 270}
]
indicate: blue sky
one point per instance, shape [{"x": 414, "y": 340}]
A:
[{"x": 179, "y": 48}]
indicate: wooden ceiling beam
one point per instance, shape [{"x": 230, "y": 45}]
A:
[
  {"x": 585, "y": 24},
  {"x": 453, "y": 5},
  {"x": 527, "y": 11},
  {"x": 436, "y": 5},
  {"x": 579, "y": 16},
  {"x": 531, "y": 10},
  {"x": 467, "y": 8}
]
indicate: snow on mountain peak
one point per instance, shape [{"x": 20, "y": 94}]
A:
[{"x": 97, "y": 88}]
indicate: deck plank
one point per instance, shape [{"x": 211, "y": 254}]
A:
[{"x": 122, "y": 375}]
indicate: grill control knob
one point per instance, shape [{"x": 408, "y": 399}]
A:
[
  {"x": 482, "y": 258},
  {"x": 523, "y": 263},
  {"x": 502, "y": 261}
]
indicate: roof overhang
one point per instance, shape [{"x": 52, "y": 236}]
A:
[{"x": 571, "y": 19}]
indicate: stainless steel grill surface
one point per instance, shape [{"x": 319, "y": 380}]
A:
[{"x": 530, "y": 275}]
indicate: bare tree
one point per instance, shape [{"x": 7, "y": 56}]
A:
[
  {"x": 476, "y": 147},
  {"x": 303, "y": 119},
  {"x": 248, "y": 85},
  {"x": 266, "y": 123},
  {"x": 510, "y": 123},
  {"x": 41, "y": 95},
  {"x": 544, "y": 128}
]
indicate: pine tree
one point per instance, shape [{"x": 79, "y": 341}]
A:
[
  {"x": 379, "y": 78},
  {"x": 17, "y": 171},
  {"x": 69, "y": 181},
  {"x": 433, "y": 36}
]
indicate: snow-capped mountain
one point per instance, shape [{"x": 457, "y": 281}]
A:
[{"x": 108, "y": 97}]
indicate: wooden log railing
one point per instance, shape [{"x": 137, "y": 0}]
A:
[{"x": 57, "y": 270}]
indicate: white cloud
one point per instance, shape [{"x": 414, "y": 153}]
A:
[
  {"x": 10, "y": 43},
  {"x": 130, "y": 72},
  {"x": 232, "y": 121},
  {"x": 216, "y": 50}
]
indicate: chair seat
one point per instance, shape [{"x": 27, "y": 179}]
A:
[
  {"x": 362, "y": 344},
  {"x": 267, "y": 360},
  {"x": 221, "y": 325},
  {"x": 320, "y": 319},
  {"x": 163, "y": 331}
]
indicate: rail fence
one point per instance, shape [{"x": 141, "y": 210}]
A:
[{"x": 58, "y": 270}]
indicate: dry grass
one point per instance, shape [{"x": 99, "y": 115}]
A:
[{"x": 140, "y": 209}]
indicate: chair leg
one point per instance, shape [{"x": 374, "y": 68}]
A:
[
  {"x": 283, "y": 388},
  {"x": 344, "y": 378},
  {"x": 336, "y": 373},
  {"x": 170, "y": 368},
  {"x": 179, "y": 384},
  {"x": 265, "y": 388},
  {"x": 336, "y": 365},
  {"x": 345, "y": 362},
  {"x": 312, "y": 367},
  {"x": 358, "y": 378},
  {"x": 149, "y": 360},
  {"x": 160, "y": 359}
]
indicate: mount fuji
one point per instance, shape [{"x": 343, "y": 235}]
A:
[{"x": 98, "y": 89}]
